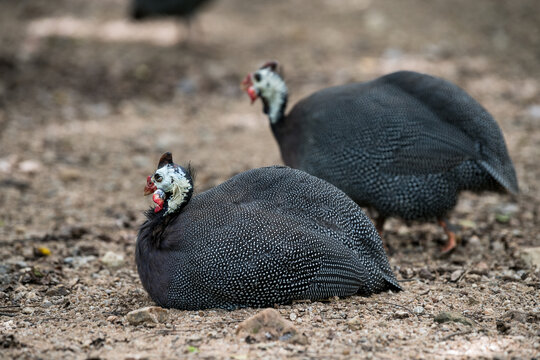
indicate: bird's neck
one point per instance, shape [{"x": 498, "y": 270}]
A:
[
  {"x": 182, "y": 190},
  {"x": 275, "y": 101},
  {"x": 275, "y": 109}
]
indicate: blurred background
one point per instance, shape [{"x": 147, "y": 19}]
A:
[{"x": 90, "y": 99}]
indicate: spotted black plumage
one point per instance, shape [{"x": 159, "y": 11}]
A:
[
  {"x": 405, "y": 143},
  {"x": 266, "y": 236}
]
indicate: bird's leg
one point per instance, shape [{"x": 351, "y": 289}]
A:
[
  {"x": 379, "y": 224},
  {"x": 451, "y": 241}
]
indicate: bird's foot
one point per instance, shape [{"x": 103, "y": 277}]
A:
[
  {"x": 450, "y": 245},
  {"x": 452, "y": 239}
]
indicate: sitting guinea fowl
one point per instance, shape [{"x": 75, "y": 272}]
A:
[
  {"x": 266, "y": 236},
  {"x": 405, "y": 144}
]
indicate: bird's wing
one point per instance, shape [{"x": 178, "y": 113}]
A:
[
  {"x": 381, "y": 122},
  {"x": 410, "y": 123},
  {"x": 427, "y": 145},
  {"x": 294, "y": 258},
  {"x": 270, "y": 226},
  {"x": 256, "y": 271},
  {"x": 458, "y": 128}
]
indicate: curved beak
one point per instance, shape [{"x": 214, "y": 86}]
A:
[
  {"x": 247, "y": 86},
  {"x": 150, "y": 187}
]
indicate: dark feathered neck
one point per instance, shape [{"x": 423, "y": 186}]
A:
[{"x": 154, "y": 226}]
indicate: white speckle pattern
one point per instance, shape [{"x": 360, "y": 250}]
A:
[
  {"x": 405, "y": 143},
  {"x": 266, "y": 236},
  {"x": 273, "y": 89},
  {"x": 173, "y": 181}
]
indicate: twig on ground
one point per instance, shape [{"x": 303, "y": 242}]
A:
[
  {"x": 464, "y": 332},
  {"x": 392, "y": 304}
]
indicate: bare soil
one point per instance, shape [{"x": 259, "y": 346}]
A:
[{"x": 89, "y": 101}]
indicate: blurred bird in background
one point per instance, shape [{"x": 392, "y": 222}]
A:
[{"x": 183, "y": 9}]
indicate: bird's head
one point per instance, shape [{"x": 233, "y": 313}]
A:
[
  {"x": 170, "y": 183},
  {"x": 266, "y": 83}
]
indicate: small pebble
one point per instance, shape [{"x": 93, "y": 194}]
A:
[
  {"x": 424, "y": 273},
  {"x": 27, "y": 310},
  {"x": 47, "y": 303},
  {"x": 21, "y": 264},
  {"x": 148, "y": 315},
  {"x": 4, "y": 269},
  {"x": 30, "y": 166},
  {"x": 401, "y": 314},
  {"x": 447, "y": 316},
  {"x": 293, "y": 316},
  {"x": 407, "y": 273},
  {"x": 531, "y": 256},
  {"x": 355, "y": 323},
  {"x": 456, "y": 275},
  {"x": 269, "y": 325},
  {"x": 59, "y": 290},
  {"x": 481, "y": 268},
  {"x": 418, "y": 310},
  {"x": 32, "y": 296},
  {"x": 497, "y": 246},
  {"x": 475, "y": 241},
  {"x": 77, "y": 261},
  {"x": 534, "y": 111},
  {"x": 112, "y": 259}
]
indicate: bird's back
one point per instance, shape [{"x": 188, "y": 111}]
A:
[
  {"x": 269, "y": 236},
  {"x": 386, "y": 135}
]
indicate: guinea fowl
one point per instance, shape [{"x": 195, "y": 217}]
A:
[
  {"x": 264, "y": 237},
  {"x": 141, "y": 9},
  {"x": 404, "y": 144}
]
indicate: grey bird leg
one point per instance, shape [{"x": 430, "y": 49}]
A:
[
  {"x": 379, "y": 224},
  {"x": 451, "y": 241}
]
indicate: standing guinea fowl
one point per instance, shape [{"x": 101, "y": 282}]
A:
[
  {"x": 264, "y": 237},
  {"x": 405, "y": 144}
]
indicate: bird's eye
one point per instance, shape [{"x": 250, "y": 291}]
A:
[
  {"x": 158, "y": 178},
  {"x": 257, "y": 77}
]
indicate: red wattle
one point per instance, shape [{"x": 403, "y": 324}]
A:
[
  {"x": 158, "y": 200},
  {"x": 252, "y": 93}
]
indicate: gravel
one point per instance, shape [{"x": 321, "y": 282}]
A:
[{"x": 76, "y": 103}]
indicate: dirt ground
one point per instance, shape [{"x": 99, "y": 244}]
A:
[{"x": 89, "y": 101}]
